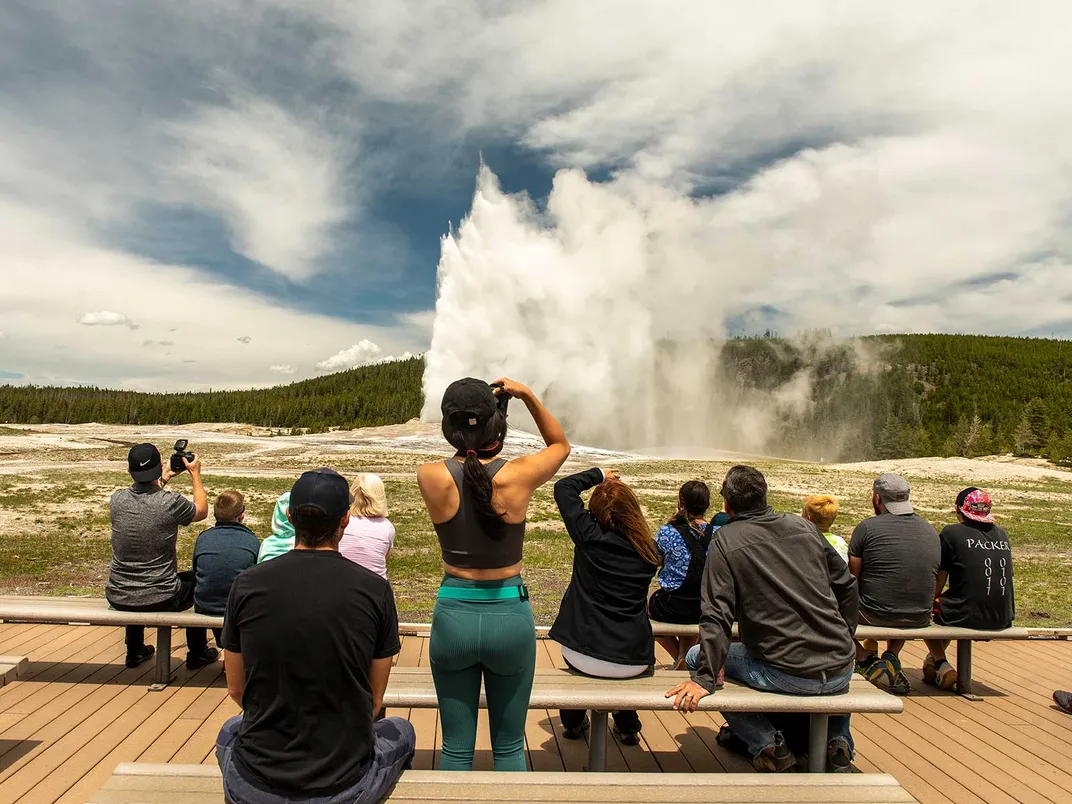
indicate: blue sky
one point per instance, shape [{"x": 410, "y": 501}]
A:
[{"x": 227, "y": 194}]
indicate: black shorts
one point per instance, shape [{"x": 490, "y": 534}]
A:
[{"x": 667, "y": 607}]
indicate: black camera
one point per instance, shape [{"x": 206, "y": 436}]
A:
[
  {"x": 502, "y": 399},
  {"x": 180, "y": 452}
]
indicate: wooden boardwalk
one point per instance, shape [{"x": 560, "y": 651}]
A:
[{"x": 77, "y": 712}]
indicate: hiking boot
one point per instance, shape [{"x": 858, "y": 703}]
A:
[
  {"x": 196, "y": 661},
  {"x": 899, "y": 683},
  {"x": 775, "y": 758},
  {"x": 873, "y": 669},
  {"x": 1063, "y": 700},
  {"x": 577, "y": 732},
  {"x": 626, "y": 737},
  {"x": 838, "y": 756},
  {"x": 141, "y": 657}
]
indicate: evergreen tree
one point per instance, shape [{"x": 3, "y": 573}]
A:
[
  {"x": 970, "y": 439},
  {"x": 1033, "y": 431}
]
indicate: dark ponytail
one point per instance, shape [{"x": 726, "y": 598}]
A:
[
  {"x": 474, "y": 442},
  {"x": 694, "y": 498}
]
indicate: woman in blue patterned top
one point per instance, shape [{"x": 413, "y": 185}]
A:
[{"x": 683, "y": 544}]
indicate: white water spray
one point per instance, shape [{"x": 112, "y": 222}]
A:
[{"x": 608, "y": 304}]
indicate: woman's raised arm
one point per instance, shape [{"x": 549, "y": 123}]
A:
[{"x": 535, "y": 470}]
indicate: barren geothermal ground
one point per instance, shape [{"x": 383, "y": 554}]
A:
[{"x": 55, "y": 481}]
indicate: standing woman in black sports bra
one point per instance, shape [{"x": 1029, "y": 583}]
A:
[{"x": 482, "y": 626}]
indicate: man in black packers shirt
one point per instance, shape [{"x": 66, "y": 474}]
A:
[
  {"x": 977, "y": 560},
  {"x": 309, "y": 639}
]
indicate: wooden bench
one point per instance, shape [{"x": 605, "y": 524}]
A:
[
  {"x": 11, "y": 667},
  {"x": 964, "y": 637},
  {"x": 412, "y": 688},
  {"x": 143, "y": 783},
  {"x": 96, "y": 611}
]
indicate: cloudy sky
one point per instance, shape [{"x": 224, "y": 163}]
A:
[{"x": 226, "y": 194}]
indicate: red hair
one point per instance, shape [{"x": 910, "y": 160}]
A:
[{"x": 616, "y": 508}]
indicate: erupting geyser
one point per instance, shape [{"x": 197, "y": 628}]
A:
[{"x": 609, "y": 304}]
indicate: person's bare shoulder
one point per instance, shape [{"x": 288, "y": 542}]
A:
[{"x": 433, "y": 475}]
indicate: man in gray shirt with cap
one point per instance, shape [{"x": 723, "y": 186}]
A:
[
  {"x": 144, "y": 573},
  {"x": 895, "y": 556}
]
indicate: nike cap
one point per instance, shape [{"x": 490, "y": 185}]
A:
[
  {"x": 323, "y": 491},
  {"x": 143, "y": 463}
]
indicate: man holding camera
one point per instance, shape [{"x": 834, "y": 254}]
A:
[{"x": 144, "y": 572}]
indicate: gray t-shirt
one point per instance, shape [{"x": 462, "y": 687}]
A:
[
  {"x": 901, "y": 556},
  {"x": 145, "y": 528}
]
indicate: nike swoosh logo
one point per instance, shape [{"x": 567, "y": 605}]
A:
[{"x": 147, "y": 463}]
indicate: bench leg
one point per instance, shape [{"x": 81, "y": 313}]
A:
[
  {"x": 597, "y": 743},
  {"x": 817, "y": 741},
  {"x": 163, "y": 659},
  {"x": 964, "y": 669}
]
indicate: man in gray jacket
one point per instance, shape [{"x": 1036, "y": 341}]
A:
[{"x": 795, "y": 602}]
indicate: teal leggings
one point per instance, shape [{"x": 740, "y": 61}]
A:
[{"x": 494, "y": 640}]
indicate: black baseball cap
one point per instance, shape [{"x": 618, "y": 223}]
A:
[
  {"x": 472, "y": 397},
  {"x": 323, "y": 490},
  {"x": 143, "y": 463}
]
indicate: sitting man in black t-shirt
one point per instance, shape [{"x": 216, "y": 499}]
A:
[
  {"x": 308, "y": 641},
  {"x": 977, "y": 560}
]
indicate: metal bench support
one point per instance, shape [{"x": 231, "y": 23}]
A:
[
  {"x": 597, "y": 743},
  {"x": 964, "y": 669},
  {"x": 818, "y": 738},
  {"x": 163, "y": 659}
]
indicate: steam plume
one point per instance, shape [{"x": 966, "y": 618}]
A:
[{"x": 608, "y": 304}]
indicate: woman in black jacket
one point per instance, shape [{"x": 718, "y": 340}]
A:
[{"x": 602, "y": 624}]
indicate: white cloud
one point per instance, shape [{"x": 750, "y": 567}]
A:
[
  {"x": 360, "y": 354},
  {"x": 40, "y": 248},
  {"x": 869, "y": 157},
  {"x": 276, "y": 179},
  {"x": 364, "y": 353},
  {"x": 282, "y": 369},
  {"x": 106, "y": 318},
  {"x": 420, "y": 321},
  {"x": 869, "y": 170}
]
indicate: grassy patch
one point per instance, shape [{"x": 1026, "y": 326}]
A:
[{"x": 55, "y": 531}]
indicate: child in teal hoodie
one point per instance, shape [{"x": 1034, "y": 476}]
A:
[{"x": 282, "y": 538}]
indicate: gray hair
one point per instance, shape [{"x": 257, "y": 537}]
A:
[{"x": 744, "y": 489}]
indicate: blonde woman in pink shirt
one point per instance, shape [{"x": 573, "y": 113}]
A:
[{"x": 369, "y": 537}]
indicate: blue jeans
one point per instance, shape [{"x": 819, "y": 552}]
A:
[
  {"x": 395, "y": 741},
  {"x": 754, "y": 728}
]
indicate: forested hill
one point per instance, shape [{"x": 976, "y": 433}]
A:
[
  {"x": 901, "y": 396},
  {"x": 386, "y": 393},
  {"x": 873, "y": 397}
]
